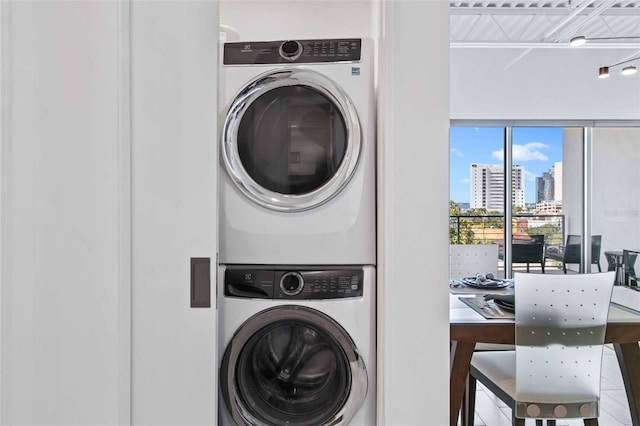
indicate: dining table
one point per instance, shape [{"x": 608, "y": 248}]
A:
[{"x": 468, "y": 328}]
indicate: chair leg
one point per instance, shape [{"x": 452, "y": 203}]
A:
[
  {"x": 590, "y": 422},
  {"x": 564, "y": 267},
  {"x": 542, "y": 265},
  {"x": 469, "y": 402}
]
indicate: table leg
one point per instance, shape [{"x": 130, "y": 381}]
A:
[
  {"x": 629, "y": 360},
  {"x": 460, "y": 359}
]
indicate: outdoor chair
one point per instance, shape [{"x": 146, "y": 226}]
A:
[
  {"x": 554, "y": 372},
  {"x": 629, "y": 260},
  {"x": 570, "y": 253},
  {"x": 529, "y": 251}
]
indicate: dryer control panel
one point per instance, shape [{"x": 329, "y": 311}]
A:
[
  {"x": 292, "y": 51},
  {"x": 294, "y": 282}
]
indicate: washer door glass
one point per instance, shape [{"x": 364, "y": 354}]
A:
[
  {"x": 291, "y": 140},
  {"x": 294, "y": 370}
]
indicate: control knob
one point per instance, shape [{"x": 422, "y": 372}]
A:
[
  {"x": 291, "y": 283},
  {"x": 291, "y": 50}
]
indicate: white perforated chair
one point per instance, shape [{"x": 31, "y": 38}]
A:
[
  {"x": 470, "y": 259},
  {"x": 554, "y": 373}
]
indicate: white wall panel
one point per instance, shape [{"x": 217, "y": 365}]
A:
[
  {"x": 413, "y": 212},
  {"x": 60, "y": 214},
  {"x": 174, "y": 145}
]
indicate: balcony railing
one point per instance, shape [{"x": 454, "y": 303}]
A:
[{"x": 489, "y": 229}]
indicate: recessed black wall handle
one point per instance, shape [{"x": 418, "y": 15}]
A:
[{"x": 200, "y": 282}]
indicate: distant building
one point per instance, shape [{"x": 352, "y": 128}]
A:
[
  {"x": 549, "y": 185},
  {"x": 544, "y": 187},
  {"x": 549, "y": 207},
  {"x": 487, "y": 186}
]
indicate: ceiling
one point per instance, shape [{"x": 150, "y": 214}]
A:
[{"x": 543, "y": 24}]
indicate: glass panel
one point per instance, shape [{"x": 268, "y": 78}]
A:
[
  {"x": 291, "y": 140},
  {"x": 537, "y": 184},
  {"x": 616, "y": 197},
  {"x": 293, "y": 371},
  {"x": 475, "y": 209}
]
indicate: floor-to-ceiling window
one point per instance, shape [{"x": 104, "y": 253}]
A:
[{"x": 568, "y": 184}]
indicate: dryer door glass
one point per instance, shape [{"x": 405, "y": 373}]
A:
[{"x": 291, "y": 140}]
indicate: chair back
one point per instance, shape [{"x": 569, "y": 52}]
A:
[
  {"x": 629, "y": 261},
  {"x": 470, "y": 259},
  {"x": 572, "y": 249},
  {"x": 560, "y": 326},
  {"x": 528, "y": 251},
  {"x": 596, "y": 247}
]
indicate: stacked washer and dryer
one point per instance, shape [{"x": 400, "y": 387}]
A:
[{"x": 297, "y": 234}]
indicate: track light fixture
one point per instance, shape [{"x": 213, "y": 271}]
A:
[
  {"x": 580, "y": 40},
  {"x": 603, "y": 72}
]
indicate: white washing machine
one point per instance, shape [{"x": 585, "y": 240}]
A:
[
  {"x": 297, "y": 346},
  {"x": 297, "y": 183}
]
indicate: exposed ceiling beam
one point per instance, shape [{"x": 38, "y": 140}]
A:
[
  {"x": 594, "y": 14},
  {"x": 613, "y": 11}
]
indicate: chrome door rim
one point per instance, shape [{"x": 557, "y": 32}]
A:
[
  {"x": 359, "y": 378},
  {"x": 243, "y": 100}
]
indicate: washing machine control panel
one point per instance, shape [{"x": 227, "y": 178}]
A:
[
  {"x": 294, "y": 283},
  {"x": 292, "y": 51}
]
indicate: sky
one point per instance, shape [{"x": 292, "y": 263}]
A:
[{"x": 534, "y": 148}]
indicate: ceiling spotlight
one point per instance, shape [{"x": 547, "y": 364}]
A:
[
  {"x": 577, "y": 41},
  {"x": 580, "y": 40},
  {"x": 629, "y": 70}
]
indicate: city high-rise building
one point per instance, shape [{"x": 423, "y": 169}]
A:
[
  {"x": 487, "y": 186},
  {"x": 549, "y": 185},
  {"x": 545, "y": 187}
]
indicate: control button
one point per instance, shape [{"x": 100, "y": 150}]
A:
[
  {"x": 290, "y": 50},
  {"x": 291, "y": 283}
]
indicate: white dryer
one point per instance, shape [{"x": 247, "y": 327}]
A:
[
  {"x": 297, "y": 183},
  {"x": 297, "y": 346}
]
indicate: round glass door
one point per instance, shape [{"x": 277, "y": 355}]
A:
[
  {"x": 292, "y": 365},
  {"x": 291, "y": 140}
]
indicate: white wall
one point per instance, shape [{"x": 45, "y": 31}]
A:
[
  {"x": 258, "y": 20},
  {"x": 546, "y": 84},
  {"x": 61, "y": 238}
]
